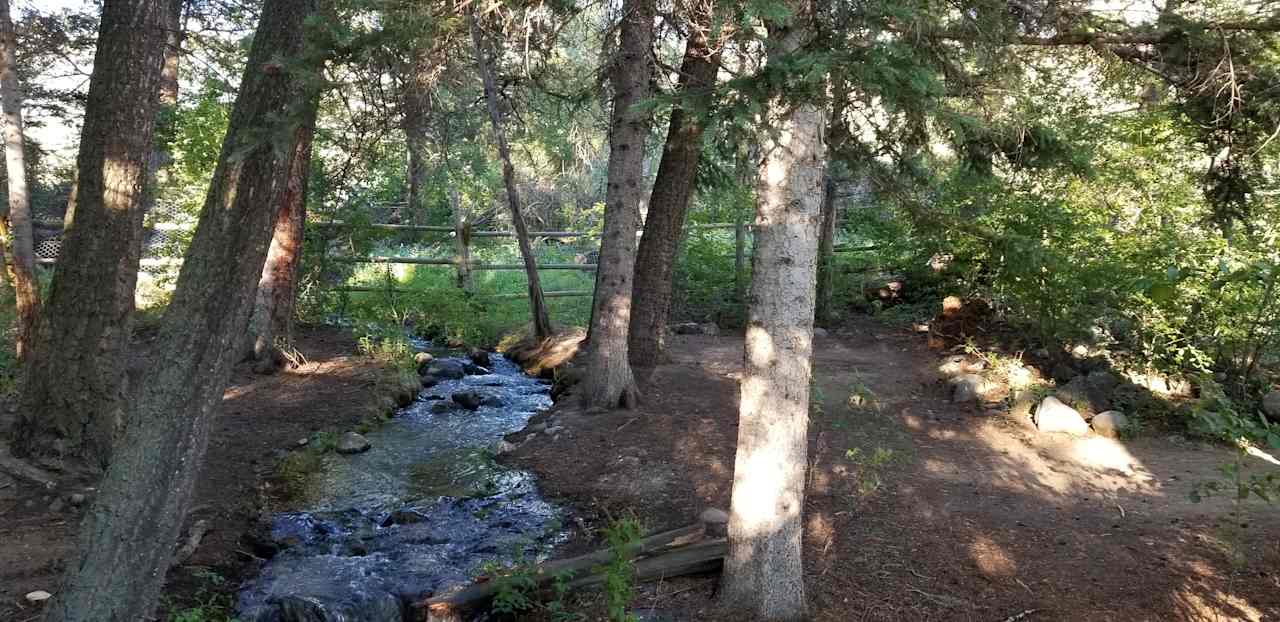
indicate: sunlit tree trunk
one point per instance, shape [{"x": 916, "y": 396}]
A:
[
  {"x": 672, "y": 189},
  {"x": 763, "y": 570},
  {"x": 271, "y": 325},
  {"x": 609, "y": 381},
  {"x": 72, "y": 401},
  {"x": 127, "y": 539},
  {"x": 15, "y": 228},
  {"x": 537, "y": 305}
]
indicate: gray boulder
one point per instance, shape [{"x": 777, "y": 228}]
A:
[
  {"x": 1271, "y": 404},
  {"x": 1054, "y": 416},
  {"x": 469, "y": 400},
  {"x": 446, "y": 369},
  {"x": 1063, "y": 372},
  {"x": 687, "y": 328},
  {"x": 1110, "y": 423},
  {"x": 969, "y": 388},
  {"x": 353, "y": 443},
  {"x": 480, "y": 357},
  {"x": 711, "y": 329}
]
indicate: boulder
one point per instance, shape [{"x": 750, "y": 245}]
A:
[
  {"x": 1102, "y": 380},
  {"x": 471, "y": 369},
  {"x": 439, "y": 408},
  {"x": 480, "y": 357},
  {"x": 1109, "y": 423},
  {"x": 960, "y": 364},
  {"x": 1271, "y": 404},
  {"x": 423, "y": 358},
  {"x": 352, "y": 443},
  {"x": 1063, "y": 372},
  {"x": 429, "y": 381},
  {"x": 38, "y": 596},
  {"x": 711, "y": 329},
  {"x": 1054, "y": 416},
  {"x": 446, "y": 370},
  {"x": 819, "y": 332},
  {"x": 687, "y": 328},
  {"x": 504, "y": 447},
  {"x": 969, "y": 388},
  {"x": 469, "y": 400},
  {"x": 492, "y": 400},
  {"x": 1074, "y": 393}
]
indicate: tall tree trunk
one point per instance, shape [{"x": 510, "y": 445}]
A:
[
  {"x": 651, "y": 293},
  {"x": 271, "y": 324},
  {"x": 15, "y": 227},
  {"x": 609, "y": 381},
  {"x": 763, "y": 570},
  {"x": 168, "y": 104},
  {"x": 72, "y": 401},
  {"x": 127, "y": 540},
  {"x": 418, "y": 82},
  {"x": 826, "y": 246},
  {"x": 537, "y": 305}
]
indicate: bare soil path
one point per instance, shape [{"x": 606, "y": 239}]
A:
[{"x": 921, "y": 509}]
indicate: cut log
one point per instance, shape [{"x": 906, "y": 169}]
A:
[
  {"x": 667, "y": 554},
  {"x": 25, "y": 472}
]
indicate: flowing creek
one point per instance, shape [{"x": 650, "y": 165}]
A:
[{"x": 419, "y": 512}]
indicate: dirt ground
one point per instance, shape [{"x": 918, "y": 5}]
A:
[
  {"x": 921, "y": 509},
  {"x": 261, "y": 416}
]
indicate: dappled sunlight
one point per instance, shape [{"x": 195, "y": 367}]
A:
[
  {"x": 1201, "y": 604},
  {"x": 991, "y": 558}
]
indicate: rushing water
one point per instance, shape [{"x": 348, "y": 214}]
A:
[{"x": 417, "y": 513}]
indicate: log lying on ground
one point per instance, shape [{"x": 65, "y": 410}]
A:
[
  {"x": 682, "y": 551},
  {"x": 23, "y": 471}
]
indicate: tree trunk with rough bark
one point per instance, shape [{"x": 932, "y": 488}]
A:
[
  {"x": 826, "y": 256},
  {"x": 15, "y": 227},
  {"x": 168, "y": 104},
  {"x": 537, "y": 305},
  {"x": 609, "y": 381},
  {"x": 271, "y": 325},
  {"x": 669, "y": 201},
  {"x": 72, "y": 400},
  {"x": 415, "y": 107},
  {"x": 128, "y": 537},
  {"x": 763, "y": 571}
]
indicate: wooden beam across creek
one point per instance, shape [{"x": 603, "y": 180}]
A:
[{"x": 691, "y": 549}]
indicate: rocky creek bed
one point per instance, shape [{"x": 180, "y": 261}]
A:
[{"x": 418, "y": 512}]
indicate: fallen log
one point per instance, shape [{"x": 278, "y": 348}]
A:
[
  {"x": 667, "y": 554},
  {"x": 25, "y": 472}
]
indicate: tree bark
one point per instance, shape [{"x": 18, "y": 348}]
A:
[
  {"x": 128, "y": 536},
  {"x": 15, "y": 227},
  {"x": 271, "y": 324},
  {"x": 763, "y": 571},
  {"x": 609, "y": 381},
  {"x": 416, "y": 103},
  {"x": 826, "y": 245},
  {"x": 72, "y": 401},
  {"x": 537, "y": 305},
  {"x": 669, "y": 201},
  {"x": 168, "y": 103}
]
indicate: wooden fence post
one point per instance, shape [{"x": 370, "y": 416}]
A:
[
  {"x": 739, "y": 258},
  {"x": 461, "y": 243}
]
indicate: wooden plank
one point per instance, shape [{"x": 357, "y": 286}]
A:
[
  {"x": 442, "y": 229},
  {"x": 450, "y": 605},
  {"x": 559, "y": 294},
  {"x": 449, "y": 262}
]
